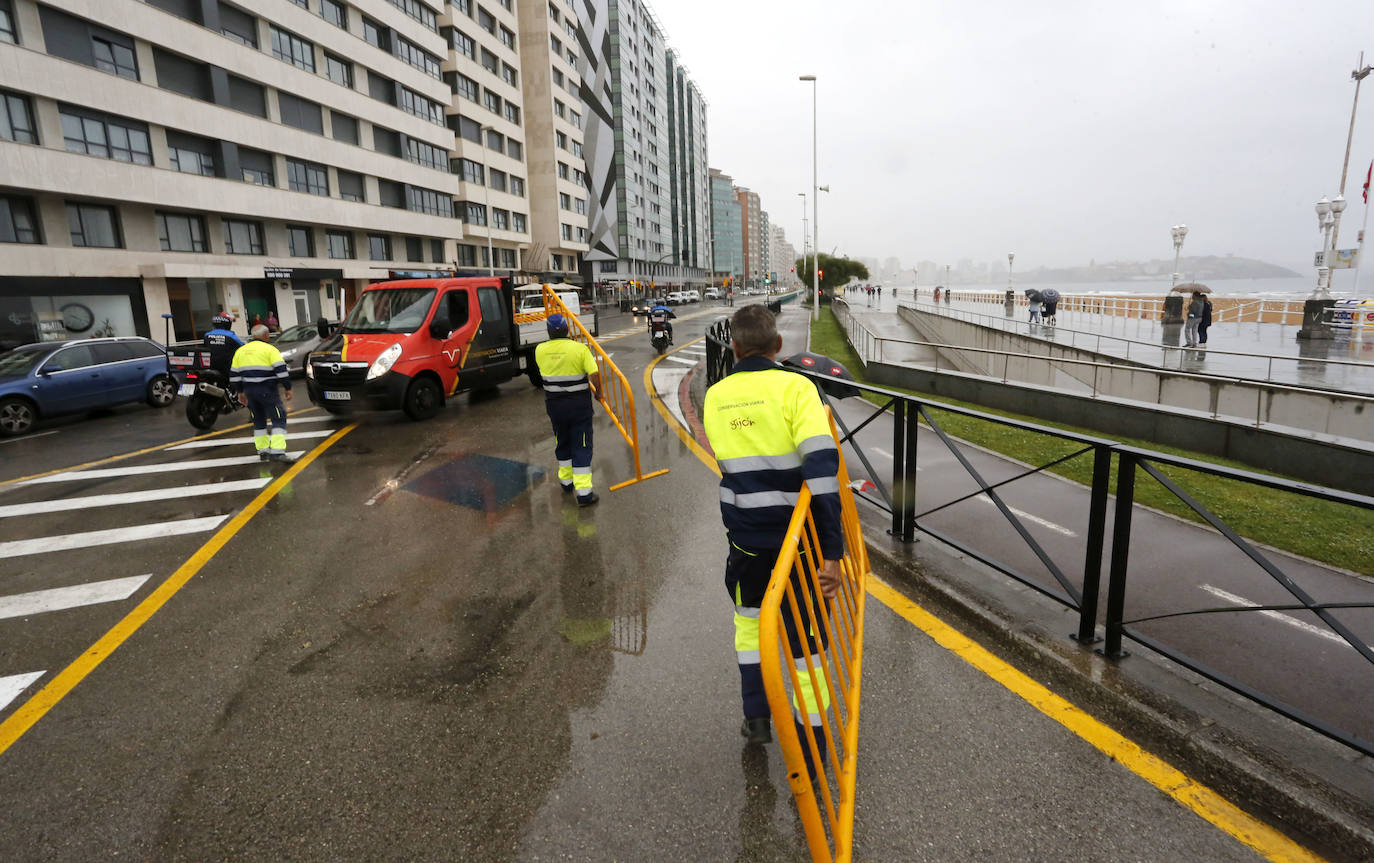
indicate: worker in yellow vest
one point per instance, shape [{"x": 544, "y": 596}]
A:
[
  {"x": 256, "y": 372},
  {"x": 570, "y": 375}
]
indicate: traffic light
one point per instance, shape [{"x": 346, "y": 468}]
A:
[{"x": 820, "y": 273}]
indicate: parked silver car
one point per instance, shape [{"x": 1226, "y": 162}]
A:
[{"x": 296, "y": 343}]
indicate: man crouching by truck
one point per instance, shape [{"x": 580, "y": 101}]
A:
[
  {"x": 257, "y": 370},
  {"x": 570, "y": 375}
]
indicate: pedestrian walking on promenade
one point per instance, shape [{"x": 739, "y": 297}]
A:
[
  {"x": 1206, "y": 321},
  {"x": 1190, "y": 330},
  {"x": 770, "y": 432},
  {"x": 937, "y": 294},
  {"x": 570, "y": 375},
  {"x": 1033, "y": 301},
  {"x": 257, "y": 370}
]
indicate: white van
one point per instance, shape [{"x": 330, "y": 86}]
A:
[
  {"x": 693, "y": 296},
  {"x": 530, "y": 298}
]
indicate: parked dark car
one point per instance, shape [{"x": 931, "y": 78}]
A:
[
  {"x": 296, "y": 343},
  {"x": 48, "y": 379}
]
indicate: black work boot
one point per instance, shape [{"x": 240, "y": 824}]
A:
[
  {"x": 757, "y": 729},
  {"x": 587, "y": 499}
]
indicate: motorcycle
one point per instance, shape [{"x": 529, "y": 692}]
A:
[
  {"x": 658, "y": 336},
  {"x": 212, "y": 397}
]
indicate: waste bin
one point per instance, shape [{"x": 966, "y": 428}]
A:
[{"x": 1173, "y": 309}]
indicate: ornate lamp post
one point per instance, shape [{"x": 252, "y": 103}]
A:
[{"x": 1178, "y": 232}]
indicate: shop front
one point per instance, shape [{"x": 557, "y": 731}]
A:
[{"x": 34, "y": 309}]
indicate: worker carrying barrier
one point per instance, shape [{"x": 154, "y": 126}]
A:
[
  {"x": 615, "y": 394},
  {"x": 817, "y": 693}
]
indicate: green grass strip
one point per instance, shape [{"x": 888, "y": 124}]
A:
[{"x": 1332, "y": 533}]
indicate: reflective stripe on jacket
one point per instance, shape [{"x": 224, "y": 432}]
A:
[
  {"x": 770, "y": 433},
  {"x": 258, "y": 363},
  {"x": 565, "y": 365}
]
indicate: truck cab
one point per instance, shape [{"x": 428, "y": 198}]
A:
[{"x": 412, "y": 344}]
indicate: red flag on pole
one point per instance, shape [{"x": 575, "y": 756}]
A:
[{"x": 1366, "y": 181}]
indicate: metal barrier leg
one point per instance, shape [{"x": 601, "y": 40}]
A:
[
  {"x": 1121, "y": 549},
  {"x": 903, "y": 473},
  {"x": 1097, "y": 529}
]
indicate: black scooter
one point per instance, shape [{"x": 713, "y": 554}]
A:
[
  {"x": 658, "y": 336},
  {"x": 213, "y": 396}
]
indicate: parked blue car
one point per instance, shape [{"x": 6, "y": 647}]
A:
[{"x": 48, "y": 379}]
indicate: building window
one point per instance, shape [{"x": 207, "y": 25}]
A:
[
  {"x": 564, "y": 201},
  {"x": 436, "y": 251},
  {"x": 507, "y": 38},
  {"x": 340, "y": 244},
  {"x": 567, "y": 232},
  {"x": 500, "y": 219},
  {"x": 335, "y": 13},
  {"x": 293, "y": 49},
  {"x": 498, "y": 180},
  {"x": 434, "y": 203},
  {"x": 469, "y": 170},
  {"x": 105, "y": 135},
  {"x": 486, "y": 20},
  {"x": 421, "y": 106},
  {"x": 509, "y": 75},
  {"x": 351, "y": 187},
  {"x": 8, "y": 33},
  {"x": 338, "y": 70},
  {"x": 300, "y": 241},
  {"x": 515, "y": 149},
  {"x": 177, "y": 232},
  {"x": 191, "y": 155},
  {"x": 419, "y": 11},
  {"x": 418, "y": 57},
  {"x": 16, "y": 119},
  {"x": 556, "y": 45},
  {"x": 489, "y": 62},
  {"x": 475, "y": 214},
  {"x": 425, "y": 154},
  {"x": 379, "y": 247},
  {"x": 561, "y": 140},
  {"x": 464, "y": 86},
  {"x": 307, "y": 177},
  {"x": 462, "y": 43},
  {"x": 517, "y": 186},
  {"x": 243, "y": 238},
  {"x": 114, "y": 57},
  {"x": 579, "y": 206},
  {"x": 415, "y": 250},
  {"x": 257, "y": 167},
  {"x": 518, "y": 222},
  {"x": 300, "y": 113},
  {"x": 238, "y": 25},
  {"x": 562, "y": 171},
  {"x": 376, "y": 34},
  {"x": 513, "y": 113},
  {"x": 18, "y": 221},
  {"x": 344, "y": 127},
  {"x": 507, "y": 258},
  {"x": 467, "y": 255},
  {"x": 464, "y": 6},
  {"x": 492, "y": 101},
  {"x": 495, "y": 140},
  {"x": 93, "y": 225}
]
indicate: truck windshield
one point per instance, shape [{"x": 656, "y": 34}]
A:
[{"x": 398, "y": 310}]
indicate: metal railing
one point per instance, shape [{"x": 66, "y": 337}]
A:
[
  {"x": 811, "y": 655},
  {"x": 1067, "y": 566}
]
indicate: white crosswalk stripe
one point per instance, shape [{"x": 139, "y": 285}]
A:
[
  {"x": 685, "y": 362},
  {"x": 67, "y": 542},
  {"x": 12, "y": 686},
  {"x": 60, "y": 598},
  {"x": 136, "y": 469},
  {"x": 239, "y": 441},
  {"x": 97, "y": 500}
]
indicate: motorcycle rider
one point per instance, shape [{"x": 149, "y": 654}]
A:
[
  {"x": 661, "y": 314},
  {"x": 222, "y": 343}
]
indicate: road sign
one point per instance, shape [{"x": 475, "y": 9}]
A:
[{"x": 1344, "y": 259}]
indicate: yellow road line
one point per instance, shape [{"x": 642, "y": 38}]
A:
[
  {"x": 684, "y": 434},
  {"x": 122, "y": 456},
  {"x": 47, "y": 698},
  {"x": 1198, "y": 798},
  {"x": 1206, "y": 803}
]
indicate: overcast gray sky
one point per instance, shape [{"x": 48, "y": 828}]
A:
[{"x": 1062, "y": 131}]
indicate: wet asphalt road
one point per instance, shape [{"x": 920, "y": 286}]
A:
[{"x": 419, "y": 649}]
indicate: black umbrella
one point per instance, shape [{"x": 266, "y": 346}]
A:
[
  {"x": 1032, "y": 294},
  {"x": 833, "y": 372},
  {"x": 1049, "y": 295}
]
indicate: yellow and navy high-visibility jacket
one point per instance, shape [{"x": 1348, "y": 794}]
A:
[
  {"x": 565, "y": 365},
  {"x": 258, "y": 363},
  {"x": 770, "y": 432}
]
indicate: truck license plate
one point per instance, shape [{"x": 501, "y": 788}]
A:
[
  {"x": 333, "y": 396},
  {"x": 186, "y": 389}
]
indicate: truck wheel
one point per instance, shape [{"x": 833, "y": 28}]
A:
[
  {"x": 202, "y": 410},
  {"x": 423, "y": 399},
  {"x": 162, "y": 391},
  {"x": 17, "y": 416}
]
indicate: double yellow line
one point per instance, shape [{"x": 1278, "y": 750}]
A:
[{"x": 23, "y": 718}]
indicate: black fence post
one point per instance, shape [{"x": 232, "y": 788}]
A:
[
  {"x": 899, "y": 489},
  {"x": 1121, "y": 552},
  {"x": 1097, "y": 529},
  {"x": 912, "y": 426}
]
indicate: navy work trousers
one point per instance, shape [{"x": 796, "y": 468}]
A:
[{"x": 571, "y": 416}]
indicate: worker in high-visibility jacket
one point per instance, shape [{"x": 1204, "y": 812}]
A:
[
  {"x": 770, "y": 433},
  {"x": 570, "y": 376},
  {"x": 257, "y": 370}
]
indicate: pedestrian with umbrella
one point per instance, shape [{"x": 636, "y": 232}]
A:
[
  {"x": 1034, "y": 299},
  {"x": 1049, "y": 298}
]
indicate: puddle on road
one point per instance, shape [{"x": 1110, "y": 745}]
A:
[{"x": 481, "y": 482}]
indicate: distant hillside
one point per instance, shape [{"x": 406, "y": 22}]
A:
[{"x": 1201, "y": 268}]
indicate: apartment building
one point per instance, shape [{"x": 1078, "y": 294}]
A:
[
  {"x": 751, "y": 235},
  {"x": 486, "y": 112},
  {"x": 689, "y": 176},
  {"x": 554, "y": 125},
  {"x": 185, "y": 156},
  {"x": 783, "y": 256},
  {"x": 726, "y": 226}
]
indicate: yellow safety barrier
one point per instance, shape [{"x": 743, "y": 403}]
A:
[
  {"x": 614, "y": 394},
  {"x": 793, "y": 600}
]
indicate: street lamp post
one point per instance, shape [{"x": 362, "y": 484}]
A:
[
  {"x": 815, "y": 205},
  {"x": 1011, "y": 256},
  {"x": 1359, "y": 74},
  {"x": 486, "y": 200},
  {"x": 1178, "y": 232},
  {"x": 806, "y": 237}
]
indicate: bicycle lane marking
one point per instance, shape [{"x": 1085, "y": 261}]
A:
[
  {"x": 1192, "y": 795},
  {"x": 37, "y": 706}
]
